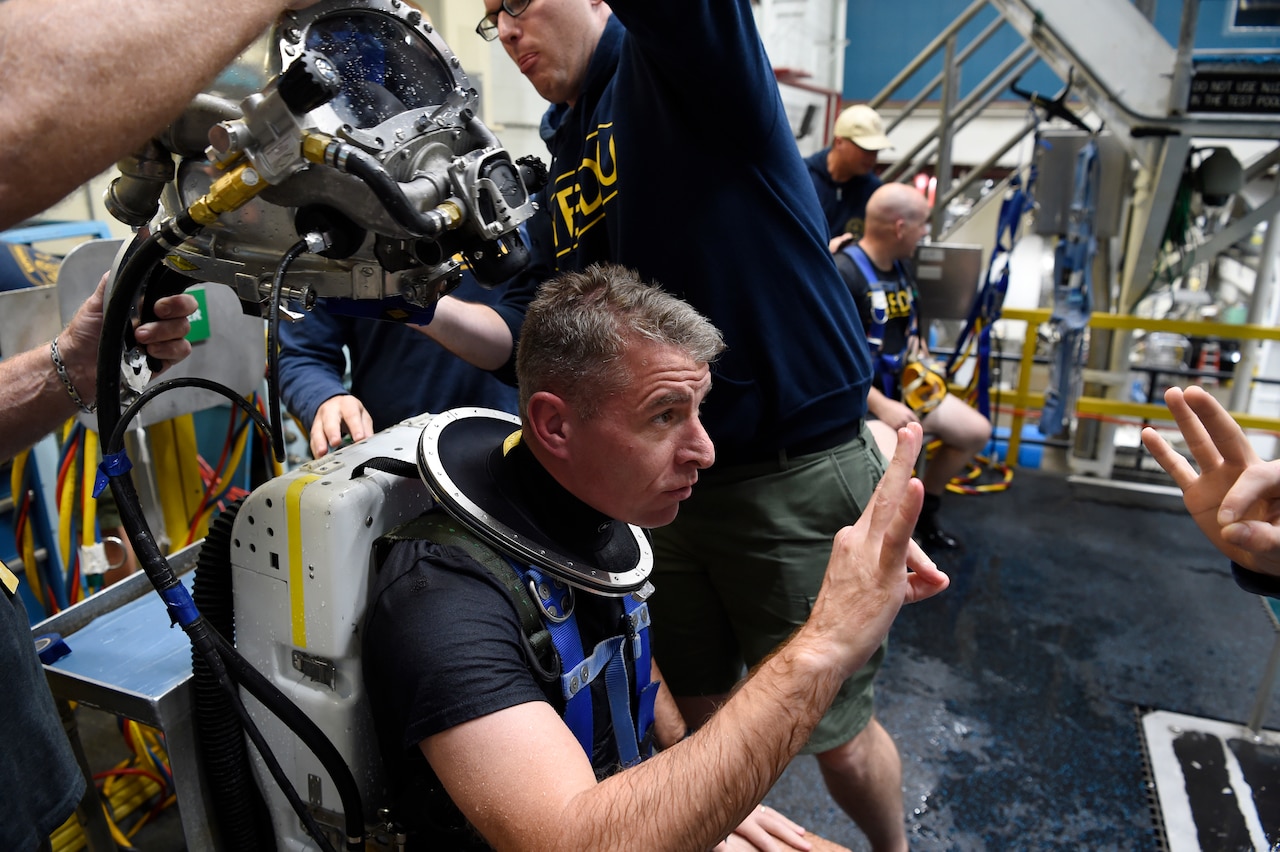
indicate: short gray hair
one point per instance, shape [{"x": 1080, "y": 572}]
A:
[{"x": 580, "y": 323}]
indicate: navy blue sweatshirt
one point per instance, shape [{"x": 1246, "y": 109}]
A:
[
  {"x": 844, "y": 205},
  {"x": 738, "y": 234}
]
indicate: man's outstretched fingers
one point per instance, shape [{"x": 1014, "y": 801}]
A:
[
  {"x": 1193, "y": 431},
  {"x": 1229, "y": 440},
  {"x": 887, "y": 499},
  {"x": 1172, "y": 461}
]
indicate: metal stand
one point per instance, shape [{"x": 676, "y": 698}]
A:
[
  {"x": 93, "y": 821},
  {"x": 1263, "y": 697},
  {"x": 128, "y": 660}
]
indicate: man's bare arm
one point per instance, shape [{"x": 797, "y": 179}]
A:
[
  {"x": 474, "y": 332},
  {"x": 87, "y": 82}
]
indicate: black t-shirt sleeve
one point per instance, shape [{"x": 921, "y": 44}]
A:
[
  {"x": 442, "y": 646},
  {"x": 1256, "y": 582}
]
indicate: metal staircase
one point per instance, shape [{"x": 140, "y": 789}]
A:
[{"x": 1151, "y": 97}]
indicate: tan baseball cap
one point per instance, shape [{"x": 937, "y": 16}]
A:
[{"x": 862, "y": 125}]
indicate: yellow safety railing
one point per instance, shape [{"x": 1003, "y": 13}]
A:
[{"x": 1025, "y": 400}]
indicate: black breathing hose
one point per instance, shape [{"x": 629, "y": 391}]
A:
[
  {"x": 139, "y": 269},
  {"x": 117, "y": 437},
  {"x": 478, "y": 129},
  {"x": 238, "y": 811},
  {"x": 429, "y": 225},
  {"x": 273, "y": 349}
]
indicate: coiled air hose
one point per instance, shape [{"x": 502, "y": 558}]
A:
[{"x": 226, "y": 666}]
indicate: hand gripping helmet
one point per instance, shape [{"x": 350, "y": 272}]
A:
[{"x": 352, "y": 120}]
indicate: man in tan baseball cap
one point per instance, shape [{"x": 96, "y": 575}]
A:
[{"x": 844, "y": 174}]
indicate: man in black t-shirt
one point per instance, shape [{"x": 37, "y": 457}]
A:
[
  {"x": 612, "y": 374},
  {"x": 897, "y": 219}
]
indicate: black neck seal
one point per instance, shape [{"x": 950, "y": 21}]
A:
[{"x": 497, "y": 490}]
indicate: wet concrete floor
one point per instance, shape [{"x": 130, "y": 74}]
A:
[{"x": 1015, "y": 696}]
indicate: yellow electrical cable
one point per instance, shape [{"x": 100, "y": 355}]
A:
[
  {"x": 964, "y": 484},
  {"x": 125, "y": 793},
  {"x": 117, "y": 835},
  {"x": 27, "y": 546},
  {"x": 68, "y": 837},
  {"x": 237, "y": 453},
  {"x": 88, "y": 474},
  {"x": 16, "y": 474},
  {"x": 66, "y": 495},
  {"x": 133, "y": 798}
]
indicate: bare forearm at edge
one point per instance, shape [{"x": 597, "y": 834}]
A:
[{"x": 75, "y": 103}]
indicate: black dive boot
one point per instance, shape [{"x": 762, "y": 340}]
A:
[{"x": 928, "y": 534}]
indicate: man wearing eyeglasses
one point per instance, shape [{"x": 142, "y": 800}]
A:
[{"x": 636, "y": 89}]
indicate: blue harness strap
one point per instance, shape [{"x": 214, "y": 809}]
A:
[
  {"x": 646, "y": 686},
  {"x": 545, "y": 606},
  {"x": 989, "y": 300},
  {"x": 632, "y": 735},
  {"x": 1072, "y": 296},
  {"x": 888, "y": 365}
]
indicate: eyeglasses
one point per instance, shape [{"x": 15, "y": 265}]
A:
[{"x": 487, "y": 29}]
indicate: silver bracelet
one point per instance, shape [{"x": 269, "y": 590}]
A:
[{"x": 61, "y": 368}]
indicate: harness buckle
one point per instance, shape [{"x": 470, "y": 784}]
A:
[{"x": 544, "y": 594}]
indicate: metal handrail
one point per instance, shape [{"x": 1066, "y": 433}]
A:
[
  {"x": 936, "y": 144},
  {"x": 978, "y": 40},
  {"x": 969, "y": 109},
  {"x": 1026, "y": 401},
  {"x": 925, "y": 55}
]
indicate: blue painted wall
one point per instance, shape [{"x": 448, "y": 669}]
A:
[{"x": 881, "y": 43}]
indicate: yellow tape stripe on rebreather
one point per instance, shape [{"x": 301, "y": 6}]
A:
[{"x": 292, "y": 504}]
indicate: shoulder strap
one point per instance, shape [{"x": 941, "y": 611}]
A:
[
  {"x": 440, "y": 528},
  {"x": 556, "y": 643},
  {"x": 868, "y": 270},
  {"x": 879, "y": 306}
]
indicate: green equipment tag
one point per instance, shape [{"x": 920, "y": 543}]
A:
[{"x": 200, "y": 318}]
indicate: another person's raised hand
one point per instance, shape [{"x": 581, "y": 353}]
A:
[{"x": 1235, "y": 496}]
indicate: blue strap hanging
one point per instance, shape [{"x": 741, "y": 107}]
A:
[
  {"x": 577, "y": 673},
  {"x": 989, "y": 300},
  {"x": 646, "y": 686},
  {"x": 1072, "y": 296},
  {"x": 619, "y": 688}
]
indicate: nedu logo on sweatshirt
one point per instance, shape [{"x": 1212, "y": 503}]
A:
[{"x": 579, "y": 195}]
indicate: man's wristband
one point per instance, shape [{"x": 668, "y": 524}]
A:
[
  {"x": 1255, "y": 582},
  {"x": 61, "y": 369}
]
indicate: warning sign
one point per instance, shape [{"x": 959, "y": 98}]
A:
[{"x": 1235, "y": 91}]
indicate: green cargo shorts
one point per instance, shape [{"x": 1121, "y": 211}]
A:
[{"x": 740, "y": 568}]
